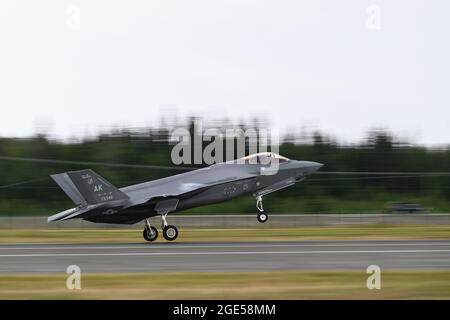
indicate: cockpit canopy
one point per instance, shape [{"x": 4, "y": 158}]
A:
[{"x": 262, "y": 158}]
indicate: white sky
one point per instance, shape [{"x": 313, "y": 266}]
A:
[{"x": 294, "y": 63}]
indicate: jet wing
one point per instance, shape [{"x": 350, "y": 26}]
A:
[{"x": 178, "y": 185}]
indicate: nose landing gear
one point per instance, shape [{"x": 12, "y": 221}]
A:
[{"x": 262, "y": 216}]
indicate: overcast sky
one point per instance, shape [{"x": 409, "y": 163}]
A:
[{"x": 339, "y": 66}]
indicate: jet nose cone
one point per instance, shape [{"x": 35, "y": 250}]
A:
[
  {"x": 301, "y": 169},
  {"x": 311, "y": 167},
  {"x": 317, "y": 165}
]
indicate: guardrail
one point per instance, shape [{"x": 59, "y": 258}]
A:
[{"x": 240, "y": 221}]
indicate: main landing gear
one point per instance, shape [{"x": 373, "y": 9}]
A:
[
  {"x": 150, "y": 233},
  {"x": 170, "y": 232},
  {"x": 262, "y": 216}
]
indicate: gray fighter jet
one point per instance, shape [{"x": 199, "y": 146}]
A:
[{"x": 97, "y": 200}]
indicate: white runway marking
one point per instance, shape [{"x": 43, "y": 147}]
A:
[
  {"x": 214, "y": 253},
  {"x": 238, "y": 245}
]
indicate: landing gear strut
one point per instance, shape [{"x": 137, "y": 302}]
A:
[
  {"x": 150, "y": 233},
  {"x": 262, "y": 216},
  {"x": 170, "y": 232}
]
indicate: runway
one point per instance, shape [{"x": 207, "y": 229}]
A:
[{"x": 232, "y": 256}]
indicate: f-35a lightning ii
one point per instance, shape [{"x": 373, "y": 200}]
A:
[{"x": 97, "y": 200}]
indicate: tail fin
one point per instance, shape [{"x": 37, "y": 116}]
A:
[{"x": 85, "y": 187}]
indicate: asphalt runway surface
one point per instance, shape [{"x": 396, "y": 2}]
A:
[{"x": 240, "y": 256}]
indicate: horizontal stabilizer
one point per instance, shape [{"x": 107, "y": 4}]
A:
[{"x": 71, "y": 213}]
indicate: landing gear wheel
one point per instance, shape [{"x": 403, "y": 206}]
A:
[
  {"x": 150, "y": 234},
  {"x": 170, "y": 232},
  {"x": 262, "y": 217}
]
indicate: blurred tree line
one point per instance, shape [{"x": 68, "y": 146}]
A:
[{"x": 26, "y": 189}]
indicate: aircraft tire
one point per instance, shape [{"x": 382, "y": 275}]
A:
[
  {"x": 262, "y": 217},
  {"x": 170, "y": 233},
  {"x": 148, "y": 236}
]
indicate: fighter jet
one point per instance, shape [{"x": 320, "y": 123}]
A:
[{"x": 99, "y": 201}]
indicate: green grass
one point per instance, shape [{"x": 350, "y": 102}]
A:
[
  {"x": 356, "y": 232},
  {"x": 229, "y": 285}
]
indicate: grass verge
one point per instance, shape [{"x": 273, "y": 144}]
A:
[
  {"x": 242, "y": 285},
  {"x": 366, "y": 232}
]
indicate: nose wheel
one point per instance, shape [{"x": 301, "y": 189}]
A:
[{"x": 262, "y": 216}]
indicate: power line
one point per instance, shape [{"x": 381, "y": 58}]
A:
[
  {"x": 390, "y": 173},
  {"x": 21, "y": 183},
  {"x": 370, "y": 178},
  {"x": 92, "y": 163},
  {"x": 145, "y": 166}
]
